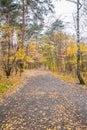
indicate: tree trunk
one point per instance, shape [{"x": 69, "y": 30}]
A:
[
  {"x": 78, "y": 46},
  {"x": 23, "y": 23}
]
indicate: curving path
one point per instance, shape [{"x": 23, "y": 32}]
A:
[{"x": 45, "y": 103}]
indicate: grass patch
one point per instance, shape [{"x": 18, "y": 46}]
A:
[
  {"x": 9, "y": 83},
  {"x": 70, "y": 77},
  {"x": 2, "y": 88}
]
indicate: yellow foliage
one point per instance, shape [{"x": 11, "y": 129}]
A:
[
  {"x": 11, "y": 58},
  {"x": 20, "y": 55},
  {"x": 72, "y": 49},
  {"x": 32, "y": 48},
  {"x": 6, "y": 28},
  {"x": 43, "y": 60},
  {"x": 29, "y": 59},
  {"x": 73, "y": 61},
  {"x": 83, "y": 47},
  {"x": 18, "y": 31}
]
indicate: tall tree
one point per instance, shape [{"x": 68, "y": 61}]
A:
[
  {"x": 79, "y": 5},
  {"x": 33, "y": 12},
  {"x": 23, "y": 22},
  {"x": 78, "y": 45}
]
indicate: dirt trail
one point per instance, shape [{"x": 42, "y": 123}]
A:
[{"x": 45, "y": 103}]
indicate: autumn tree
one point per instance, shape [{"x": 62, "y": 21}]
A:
[
  {"x": 78, "y": 45},
  {"x": 56, "y": 38},
  {"x": 8, "y": 20}
]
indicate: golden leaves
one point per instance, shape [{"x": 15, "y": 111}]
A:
[
  {"x": 72, "y": 49},
  {"x": 20, "y": 55},
  {"x": 29, "y": 59}
]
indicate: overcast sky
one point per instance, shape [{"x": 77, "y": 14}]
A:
[{"x": 65, "y": 10}]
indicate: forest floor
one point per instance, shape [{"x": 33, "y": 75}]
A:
[{"x": 44, "y": 102}]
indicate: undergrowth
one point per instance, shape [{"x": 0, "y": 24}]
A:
[
  {"x": 66, "y": 77},
  {"x": 9, "y": 83}
]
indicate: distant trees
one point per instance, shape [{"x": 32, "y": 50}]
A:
[{"x": 59, "y": 53}]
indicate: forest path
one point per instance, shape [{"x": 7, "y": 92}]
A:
[{"x": 45, "y": 103}]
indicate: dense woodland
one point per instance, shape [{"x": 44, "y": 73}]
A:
[{"x": 27, "y": 42}]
